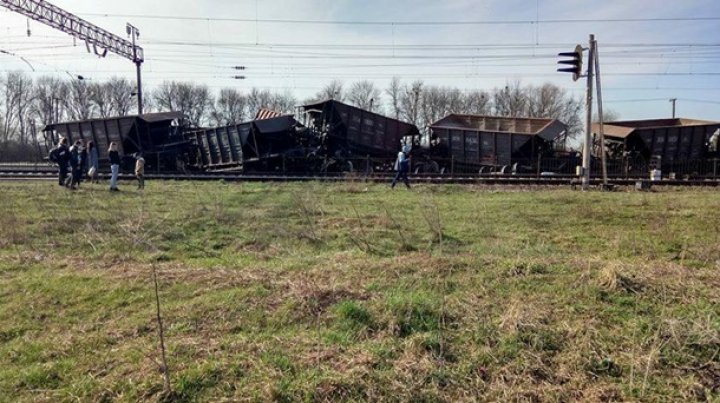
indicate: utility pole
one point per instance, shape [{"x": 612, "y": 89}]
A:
[
  {"x": 135, "y": 33},
  {"x": 587, "y": 146},
  {"x": 673, "y": 100},
  {"x": 600, "y": 113}
]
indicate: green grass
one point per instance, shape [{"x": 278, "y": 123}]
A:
[{"x": 353, "y": 292}]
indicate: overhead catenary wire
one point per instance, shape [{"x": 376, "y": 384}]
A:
[
  {"x": 405, "y": 23},
  {"x": 332, "y": 60}
]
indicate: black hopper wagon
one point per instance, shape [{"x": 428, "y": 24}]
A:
[
  {"x": 159, "y": 136},
  {"x": 332, "y": 137},
  {"x": 353, "y": 139},
  {"x": 265, "y": 145},
  {"x": 493, "y": 144},
  {"x": 687, "y": 147}
]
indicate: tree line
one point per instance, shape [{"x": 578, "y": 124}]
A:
[{"x": 27, "y": 104}]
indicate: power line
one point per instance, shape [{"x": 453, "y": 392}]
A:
[
  {"x": 703, "y": 101},
  {"x": 618, "y": 101},
  {"x": 426, "y": 45},
  {"x": 18, "y": 56},
  {"x": 289, "y": 74},
  {"x": 404, "y": 23}
]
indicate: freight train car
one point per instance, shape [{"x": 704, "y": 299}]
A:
[
  {"x": 672, "y": 145},
  {"x": 350, "y": 133},
  {"x": 158, "y": 136},
  {"x": 477, "y": 143},
  {"x": 258, "y": 145}
]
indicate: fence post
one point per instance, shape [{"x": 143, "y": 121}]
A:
[
  {"x": 626, "y": 166},
  {"x": 452, "y": 166},
  {"x": 367, "y": 166},
  {"x": 538, "y": 165},
  {"x": 283, "y": 163}
]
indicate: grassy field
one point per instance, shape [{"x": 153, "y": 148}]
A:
[{"x": 351, "y": 292}]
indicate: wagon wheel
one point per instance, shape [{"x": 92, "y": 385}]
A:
[
  {"x": 431, "y": 167},
  {"x": 180, "y": 165}
]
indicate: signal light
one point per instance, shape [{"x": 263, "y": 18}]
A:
[{"x": 574, "y": 63}]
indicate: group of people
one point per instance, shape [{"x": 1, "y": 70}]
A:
[{"x": 82, "y": 159}]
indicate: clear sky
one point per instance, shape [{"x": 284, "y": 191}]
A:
[{"x": 302, "y": 45}]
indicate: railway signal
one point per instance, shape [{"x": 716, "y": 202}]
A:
[
  {"x": 575, "y": 62},
  {"x": 575, "y": 66}
]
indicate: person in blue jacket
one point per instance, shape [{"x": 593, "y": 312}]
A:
[{"x": 402, "y": 165}]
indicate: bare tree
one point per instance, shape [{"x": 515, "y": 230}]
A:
[
  {"x": 283, "y": 102},
  {"x": 122, "y": 93},
  {"x": 194, "y": 101},
  {"x": 438, "y": 102},
  {"x": 18, "y": 89},
  {"x": 552, "y": 102},
  {"x": 393, "y": 91},
  {"x": 149, "y": 102},
  {"x": 609, "y": 115},
  {"x": 258, "y": 99},
  {"x": 434, "y": 104},
  {"x": 48, "y": 105},
  {"x": 364, "y": 95},
  {"x": 100, "y": 98},
  {"x": 510, "y": 100},
  {"x": 334, "y": 90},
  {"x": 230, "y": 107},
  {"x": 410, "y": 98},
  {"x": 477, "y": 103},
  {"x": 79, "y": 103},
  {"x": 201, "y": 102}
]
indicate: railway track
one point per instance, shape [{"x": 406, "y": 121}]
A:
[{"x": 40, "y": 173}]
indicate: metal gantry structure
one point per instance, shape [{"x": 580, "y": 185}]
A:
[{"x": 53, "y": 16}]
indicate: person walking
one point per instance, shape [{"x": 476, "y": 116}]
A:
[
  {"x": 114, "y": 156},
  {"x": 61, "y": 156},
  {"x": 77, "y": 163},
  {"x": 140, "y": 170},
  {"x": 402, "y": 165},
  {"x": 93, "y": 162}
]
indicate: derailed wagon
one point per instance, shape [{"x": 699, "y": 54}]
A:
[
  {"x": 491, "y": 143},
  {"x": 261, "y": 145},
  {"x": 335, "y": 137},
  {"x": 671, "y": 145},
  {"x": 159, "y": 136},
  {"x": 353, "y": 139}
]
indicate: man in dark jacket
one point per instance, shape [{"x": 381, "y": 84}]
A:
[
  {"x": 77, "y": 162},
  {"x": 61, "y": 156}
]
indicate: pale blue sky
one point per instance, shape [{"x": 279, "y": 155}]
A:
[{"x": 302, "y": 57}]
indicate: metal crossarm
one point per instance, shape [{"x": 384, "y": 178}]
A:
[{"x": 42, "y": 11}]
